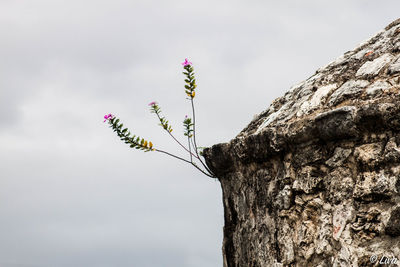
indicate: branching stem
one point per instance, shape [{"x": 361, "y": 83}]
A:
[
  {"x": 173, "y": 137},
  {"x": 191, "y": 163}
]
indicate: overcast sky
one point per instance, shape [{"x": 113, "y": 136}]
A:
[{"x": 71, "y": 193}]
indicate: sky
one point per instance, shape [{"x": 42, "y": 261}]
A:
[{"x": 73, "y": 194}]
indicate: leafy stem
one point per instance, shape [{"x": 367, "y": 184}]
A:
[
  {"x": 190, "y": 92},
  {"x": 189, "y": 127},
  {"x": 124, "y": 134},
  {"x": 155, "y": 108}
]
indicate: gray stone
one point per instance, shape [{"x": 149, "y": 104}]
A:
[
  {"x": 281, "y": 112},
  {"x": 284, "y": 198},
  {"x": 337, "y": 123},
  {"x": 377, "y": 88},
  {"x": 351, "y": 88},
  {"x": 375, "y": 66},
  {"x": 315, "y": 179},
  {"x": 315, "y": 101},
  {"x": 339, "y": 156},
  {"x": 373, "y": 186},
  {"x": 395, "y": 66},
  {"x": 342, "y": 214},
  {"x": 339, "y": 189},
  {"x": 306, "y": 181}
]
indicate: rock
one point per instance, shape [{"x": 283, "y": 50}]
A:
[
  {"x": 377, "y": 88},
  {"x": 375, "y": 66},
  {"x": 314, "y": 180},
  {"x": 392, "y": 151},
  {"x": 337, "y": 123},
  {"x": 373, "y": 186},
  {"x": 395, "y": 66},
  {"x": 339, "y": 185},
  {"x": 367, "y": 224},
  {"x": 393, "y": 226},
  {"x": 369, "y": 154},
  {"x": 339, "y": 156},
  {"x": 284, "y": 198},
  {"x": 342, "y": 214},
  {"x": 317, "y": 98},
  {"x": 352, "y": 88},
  {"x": 306, "y": 181}
]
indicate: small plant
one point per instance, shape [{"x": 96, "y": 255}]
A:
[{"x": 189, "y": 124}]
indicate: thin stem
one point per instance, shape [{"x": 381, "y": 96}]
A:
[
  {"x": 173, "y": 137},
  {"x": 162, "y": 151},
  {"x": 191, "y": 154},
  {"x": 194, "y": 138},
  {"x": 191, "y": 140},
  {"x": 190, "y": 150},
  {"x": 172, "y": 155}
]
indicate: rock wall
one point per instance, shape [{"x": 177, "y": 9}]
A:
[{"x": 315, "y": 179}]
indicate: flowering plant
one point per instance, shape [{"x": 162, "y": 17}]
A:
[{"x": 188, "y": 123}]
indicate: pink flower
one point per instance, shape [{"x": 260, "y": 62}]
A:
[
  {"x": 186, "y": 62},
  {"x": 153, "y": 103},
  {"x": 108, "y": 117}
]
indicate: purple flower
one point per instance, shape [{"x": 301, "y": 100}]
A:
[
  {"x": 186, "y": 62},
  {"x": 108, "y": 117},
  {"x": 153, "y": 103},
  {"x": 186, "y": 116}
]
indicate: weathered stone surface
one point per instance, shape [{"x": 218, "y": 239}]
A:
[
  {"x": 337, "y": 123},
  {"x": 375, "y": 66},
  {"x": 307, "y": 180},
  {"x": 369, "y": 154},
  {"x": 395, "y": 67},
  {"x": 342, "y": 214},
  {"x": 317, "y": 98},
  {"x": 378, "y": 88},
  {"x": 372, "y": 186},
  {"x": 351, "y": 88},
  {"x": 392, "y": 151},
  {"x": 314, "y": 180},
  {"x": 393, "y": 226},
  {"x": 339, "y": 156},
  {"x": 339, "y": 189}
]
